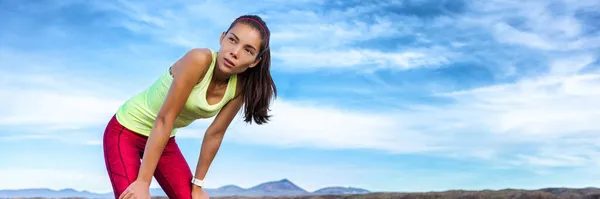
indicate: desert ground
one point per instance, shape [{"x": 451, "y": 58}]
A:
[{"x": 548, "y": 193}]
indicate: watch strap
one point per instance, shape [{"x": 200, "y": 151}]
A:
[{"x": 198, "y": 182}]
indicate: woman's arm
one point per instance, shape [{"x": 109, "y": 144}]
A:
[
  {"x": 187, "y": 71},
  {"x": 214, "y": 135}
]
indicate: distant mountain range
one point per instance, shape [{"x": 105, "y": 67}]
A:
[{"x": 282, "y": 187}]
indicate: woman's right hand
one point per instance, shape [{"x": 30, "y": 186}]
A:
[
  {"x": 136, "y": 190},
  {"x": 199, "y": 193}
]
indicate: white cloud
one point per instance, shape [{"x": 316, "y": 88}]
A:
[
  {"x": 43, "y": 95},
  {"x": 199, "y": 24},
  {"x": 544, "y": 106},
  {"x": 571, "y": 65},
  {"x": 508, "y": 34},
  {"x": 540, "y": 26},
  {"x": 179, "y": 23},
  {"x": 44, "y": 99},
  {"x": 304, "y": 59},
  {"x": 309, "y": 29},
  {"x": 62, "y": 135},
  {"x": 54, "y": 109},
  {"x": 297, "y": 124},
  {"x": 53, "y": 102},
  {"x": 183, "y": 23},
  {"x": 555, "y": 161}
]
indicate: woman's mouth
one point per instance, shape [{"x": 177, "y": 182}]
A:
[{"x": 228, "y": 63}]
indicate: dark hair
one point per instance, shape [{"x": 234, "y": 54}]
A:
[{"x": 259, "y": 87}]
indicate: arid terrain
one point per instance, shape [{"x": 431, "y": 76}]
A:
[{"x": 549, "y": 193}]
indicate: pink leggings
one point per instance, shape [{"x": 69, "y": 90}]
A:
[{"x": 123, "y": 150}]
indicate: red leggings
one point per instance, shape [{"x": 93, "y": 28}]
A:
[{"x": 123, "y": 150}]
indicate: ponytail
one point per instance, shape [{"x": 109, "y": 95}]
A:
[{"x": 259, "y": 89}]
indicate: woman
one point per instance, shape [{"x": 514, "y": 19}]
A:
[{"x": 199, "y": 85}]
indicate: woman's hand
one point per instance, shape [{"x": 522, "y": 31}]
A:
[
  {"x": 136, "y": 190},
  {"x": 199, "y": 193}
]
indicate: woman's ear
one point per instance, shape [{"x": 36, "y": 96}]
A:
[{"x": 222, "y": 37}]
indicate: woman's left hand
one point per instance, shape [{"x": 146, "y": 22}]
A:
[{"x": 199, "y": 193}]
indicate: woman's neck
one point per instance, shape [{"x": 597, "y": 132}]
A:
[{"x": 219, "y": 77}]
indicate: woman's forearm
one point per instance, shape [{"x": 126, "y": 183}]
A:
[
  {"x": 210, "y": 145},
  {"x": 154, "y": 147}
]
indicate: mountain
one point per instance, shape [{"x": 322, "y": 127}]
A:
[
  {"x": 230, "y": 188},
  {"x": 282, "y": 187}
]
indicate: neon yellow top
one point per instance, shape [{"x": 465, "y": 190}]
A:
[{"x": 139, "y": 112}]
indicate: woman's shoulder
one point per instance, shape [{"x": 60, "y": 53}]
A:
[
  {"x": 201, "y": 55},
  {"x": 193, "y": 65},
  {"x": 196, "y": 57}
]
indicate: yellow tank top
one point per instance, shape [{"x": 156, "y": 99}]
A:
[{"x": 139, "y": 112}]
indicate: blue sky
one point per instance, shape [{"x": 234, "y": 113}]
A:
[{"x": 411, "y": 95}]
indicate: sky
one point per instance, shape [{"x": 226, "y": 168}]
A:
[{"x": 399, "y": 95}]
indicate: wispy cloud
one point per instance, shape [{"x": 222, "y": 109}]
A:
[
  {"x": 329, "y": 36},
  {"x": 54, "y": 109},
  {"x": 51, "y": 100},
  {"x": 528, "y": 23},
  {"x": 329, "y": 127},
  {"x": 357, "y": 58}
]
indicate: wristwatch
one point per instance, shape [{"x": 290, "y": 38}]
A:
[{"x": 198, "y": 182}]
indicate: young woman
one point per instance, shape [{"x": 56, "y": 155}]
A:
[{"x": 199, "y": 85}]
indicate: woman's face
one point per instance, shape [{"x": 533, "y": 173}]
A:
[{"x": 239, "y": 48}]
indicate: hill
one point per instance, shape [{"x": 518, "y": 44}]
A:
[{"x": 282, "y": 187}]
